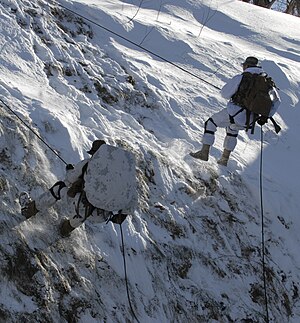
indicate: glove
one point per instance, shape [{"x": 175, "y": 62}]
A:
[
  {"x": 262, "y": 120},
  {"x": 69, "y": 166},
  {"x": 118, "y": 218}
]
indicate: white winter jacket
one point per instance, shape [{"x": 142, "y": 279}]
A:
[
  {"x": 232, "y": 86},
  {"x": 72, "y": 175}
]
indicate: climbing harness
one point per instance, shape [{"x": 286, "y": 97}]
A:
[
  {"x": 256, "y": 117},
  {"x": 58, "y": 186}
]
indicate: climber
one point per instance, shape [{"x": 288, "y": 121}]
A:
[
  {"x": 72, "y": 187},
  {"x": 235, "y": 116}
]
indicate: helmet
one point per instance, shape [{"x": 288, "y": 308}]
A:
[
  {"x": 251, "y": 61},
  {"x": 95, "y": 146}
]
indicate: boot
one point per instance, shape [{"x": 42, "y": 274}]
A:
[
  {"x": 66, "y": 228},
  {"x": 202, "y": 154},
  {"x": 224, "y": 158},
  {"x": 28, "y": 207}
]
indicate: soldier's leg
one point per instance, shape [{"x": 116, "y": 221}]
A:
[
  {"x": 219, "y": 119},
  {"x": 229, "y": 144},
  {"x": 30, "y": 207},
  {"x": 50, "y": 197},
  {"x": 68, "y": 225}
]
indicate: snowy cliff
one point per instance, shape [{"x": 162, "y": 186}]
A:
[{"x": 144, "y": 75}]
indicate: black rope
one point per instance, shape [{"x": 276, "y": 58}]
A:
[
  {"x": 137, "y": 45},
  {"x": 125, "y": 271},
  {"x": 34, "y": 132},
  {"x": 262, "y": 226}
]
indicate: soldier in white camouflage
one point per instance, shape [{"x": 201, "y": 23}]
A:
[{"x": 71, "y": 187}]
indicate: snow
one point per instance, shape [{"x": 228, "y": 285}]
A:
[{"x": 193, "y": 246}]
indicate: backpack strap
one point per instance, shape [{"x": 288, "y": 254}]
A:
[
  {"x": 247, "y": 123},
  {"x": 88, "y": 207},
  {"x": 84, "y": 169},
  {"x": 78, "y": 188},
  {"x": 275, "y": 124},
  {"x": 246, "y": 82},
  {"x": 231, "y": 118},
  {"x": 255, "y": 118}
]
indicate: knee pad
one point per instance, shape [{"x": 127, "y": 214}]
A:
[{"x": 210, "y": 126}]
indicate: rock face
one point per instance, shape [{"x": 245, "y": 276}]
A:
[{"x": 192, "y": 246}]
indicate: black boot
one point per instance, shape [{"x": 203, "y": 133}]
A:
[
  {"x": 66, "y": 228},
  {"x": 118, "y": 218},
  {"x": 28, "y": 207}
]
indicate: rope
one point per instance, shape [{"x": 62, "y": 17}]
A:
[
  {"x": 34, "y": 132},
  {"x": 123, "y": 248},
  {"x": 262, "y": 226},
  {"x": 126, "y": 279},
  {"x": 137, "y": 45}
]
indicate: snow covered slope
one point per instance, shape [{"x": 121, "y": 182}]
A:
[{"x": 144, "y": 75}]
